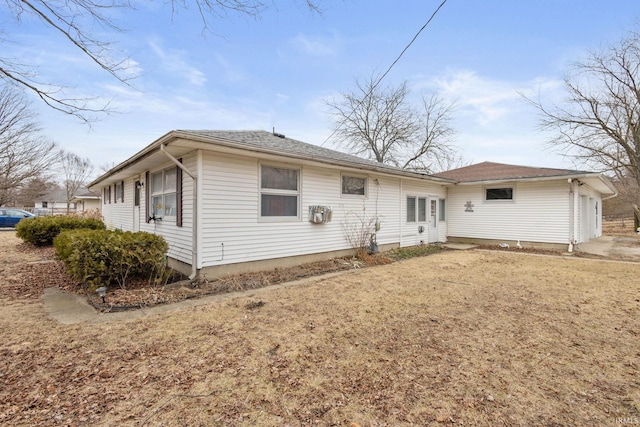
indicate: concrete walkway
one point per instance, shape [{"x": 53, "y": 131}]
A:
[{"x": 619, "y": 248}]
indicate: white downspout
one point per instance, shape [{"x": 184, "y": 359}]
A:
[
  {"x": 400, "y": 215},
  {"x": 194, "y": 228},
  {"x": 572, "y": 218}
]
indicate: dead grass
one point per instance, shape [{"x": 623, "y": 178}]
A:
[{"x": 465, "y": 338}]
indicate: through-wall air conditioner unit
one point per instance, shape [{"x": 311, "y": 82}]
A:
[{"x": 319, "y": 214}]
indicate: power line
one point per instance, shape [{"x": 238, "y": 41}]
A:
[
  {"x": 407, "y": 46},
  {"x": 415, "y": 37}
]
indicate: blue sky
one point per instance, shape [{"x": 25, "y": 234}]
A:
[{"x": 277, "y": 71}]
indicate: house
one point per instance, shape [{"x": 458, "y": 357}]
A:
[
  {"x": 231, "y": 201},
  {"x": 494, "y": 203},
  {"x": 86, "y": 200},
  {"x": 53, "y": 203}
]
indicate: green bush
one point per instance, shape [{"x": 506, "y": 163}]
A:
[
  {"x": 105, "y": 258},
  {"x": 63, "y": 242},
  {"x": 41, "y": 231}
]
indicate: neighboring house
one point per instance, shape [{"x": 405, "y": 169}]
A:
[
  {"x": 86, "y": 200},
  {"x": 53, "y": 203},
  {"x": 230, "y": 201},
  {"x": 494, "y": 202}
]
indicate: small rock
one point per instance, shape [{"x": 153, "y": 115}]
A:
[{"x": 490, "y": 398}]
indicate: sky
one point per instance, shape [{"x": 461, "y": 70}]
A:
[{"x": 279, "y": 71}]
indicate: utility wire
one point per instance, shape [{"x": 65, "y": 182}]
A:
[
  {"x": 407, "y": 47},
  {"x": 415, "y": 37}
]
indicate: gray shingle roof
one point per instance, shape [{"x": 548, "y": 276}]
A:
[
  {"x": 263, "y": 140},
  {"x": 260, "y": 141}
]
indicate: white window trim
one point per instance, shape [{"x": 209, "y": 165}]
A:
[
  {"x": 153, "y": 194},
  {"x": 491, "y": 187},
  {"x": 417, "y": 209},
  {"x": 355, "y": 196},
  {"x": 276, "y": 192}
]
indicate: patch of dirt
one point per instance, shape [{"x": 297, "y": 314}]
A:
[{"x": 480, "y": 338}]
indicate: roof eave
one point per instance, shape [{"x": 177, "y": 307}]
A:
[
  {"x": 577, "y": 176},
  {"x": 145, "y": 152}
]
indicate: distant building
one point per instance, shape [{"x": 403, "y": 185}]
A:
[
  {"x": 55, "y": 202},
  {"x": 86, "y": 200}
]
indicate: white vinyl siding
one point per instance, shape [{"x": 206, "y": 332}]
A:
[
  {"x": 540, "y": 213},
  {"x": 233, "y": 232},
  {"x": 118, "y": 215}
]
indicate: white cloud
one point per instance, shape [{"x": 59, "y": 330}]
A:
[
  {"x": 316, "y": 46},
  {"x": 174, "y": 62},
  {"x": 230, "y": 73},
  {"x": 492, "y": 119},
  {"x": 488, "y": 102}
]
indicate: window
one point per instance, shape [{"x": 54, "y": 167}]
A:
[
  {"x": 411, "y": 209},
  {"x": 119, "y": 192},
  {"x": 416, "y": 208},
  {"x": 503, "y": 193},
  {"x": 441, "y": 213},
  {"x": 136, "y": 193},
  {"x": 44, "y": 204},
  {"x": 279, "y": 192},
  {"x": 422, "y": 210},
  {"x": 354, "y": 185},
  {"x": 163, "y": 193}
]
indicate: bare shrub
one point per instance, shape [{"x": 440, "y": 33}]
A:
[{"x": 360, "y": 231}]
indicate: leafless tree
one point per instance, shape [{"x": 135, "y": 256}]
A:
[
  {"x": 621, "y": 207},
  {"x": 24, "y": 153},
  {"x": 382, "y": 125},
  {"x": 77, "y": 171},
  {"x": 83, "y": 24},
  {"x": 599, "y": 122}
]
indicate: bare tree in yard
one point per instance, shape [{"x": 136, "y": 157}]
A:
[
  {"x": 24, "y": 153},
  {"x": 382, "y": 125},
  {"x": 76, "y": 173},
  {"x": 599, "y": 122},
  {"x": 84, "y": 24}
]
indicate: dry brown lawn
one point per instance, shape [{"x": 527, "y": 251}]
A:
[{"x": 477, "y": 338}]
